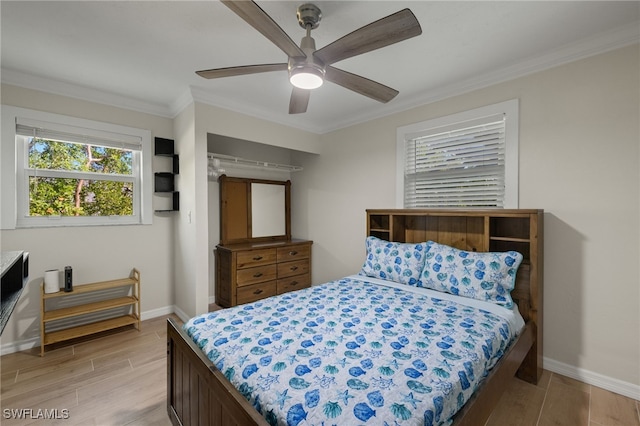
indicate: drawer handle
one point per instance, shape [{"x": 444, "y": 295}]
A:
[
  {"x": 257, "y": 291},
  {"x": 293, "y": 253},
  {"x": 293, "y": 268},
  {"x": 257, "y": 275},
  {"x": 293, "y": 283},
  {"x": 257, "y": 258}
]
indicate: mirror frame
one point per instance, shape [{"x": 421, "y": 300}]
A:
[{"x": 235, "y": 210}]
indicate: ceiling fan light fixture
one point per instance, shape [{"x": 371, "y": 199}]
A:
[
  {"x": 306, "y": 76},
  {"x": 307, "y": 65}
]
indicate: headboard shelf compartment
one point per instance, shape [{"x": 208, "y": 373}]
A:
[
  {"x": 479, "y": 230},
  {"x": 507, "y": 227},
  {"x": 523, "y": 247},
  {"x": 379, "y": 223}
]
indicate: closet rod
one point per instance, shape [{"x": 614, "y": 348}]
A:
[{"x": 228, "y": 159}]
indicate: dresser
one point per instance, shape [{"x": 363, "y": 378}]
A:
[{"x": 247, "y": 272}]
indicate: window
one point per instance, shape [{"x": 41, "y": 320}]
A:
[
  {"x": 71, "y": 171},
  {"x": 466, "y": 160}
]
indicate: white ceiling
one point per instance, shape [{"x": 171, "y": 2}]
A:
[{"x": 142, "y": 54}]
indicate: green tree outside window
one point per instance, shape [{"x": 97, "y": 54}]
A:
[{"x": 66, "y": 195}]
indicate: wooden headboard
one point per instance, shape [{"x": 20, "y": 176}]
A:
[{"x": 480, "y": 230}]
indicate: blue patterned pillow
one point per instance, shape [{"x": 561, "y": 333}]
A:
[
  {"x": 399, "y": 262},
  {"x": 488, "y": 276}
]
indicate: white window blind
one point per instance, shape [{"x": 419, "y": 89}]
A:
[
  {"x": 463, "y": 166},
  {"x": 68, "y": 133}
]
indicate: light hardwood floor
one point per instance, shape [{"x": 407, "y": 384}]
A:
[{"x": 120, "y": 379}]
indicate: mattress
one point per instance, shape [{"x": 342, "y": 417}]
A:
[{"x": 357, "y": 351}]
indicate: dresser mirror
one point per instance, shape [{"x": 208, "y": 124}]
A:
[
  {"x": 268, "y": 216},
  {"x": 254, "y": 210}
]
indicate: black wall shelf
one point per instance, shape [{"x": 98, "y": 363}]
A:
[{"x": 164, "y": 182}]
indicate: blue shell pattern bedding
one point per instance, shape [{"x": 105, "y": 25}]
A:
[{"x": 351, "y": 352}]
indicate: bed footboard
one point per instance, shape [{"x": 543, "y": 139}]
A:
[
  {"x": 198, "y": 393},
  {"x": 478, "y": 409}
]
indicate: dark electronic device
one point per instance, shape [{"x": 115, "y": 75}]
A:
[{"x": 68, "y": 284}]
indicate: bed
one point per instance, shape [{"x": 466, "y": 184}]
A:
[{"x": 413, "y": 338}]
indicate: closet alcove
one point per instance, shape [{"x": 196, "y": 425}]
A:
[{"x": 255, "y": 255}]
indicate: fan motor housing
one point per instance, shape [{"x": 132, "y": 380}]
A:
[{"x": 309, "y": 15}]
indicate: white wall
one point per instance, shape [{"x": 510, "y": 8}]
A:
[
  {"x": 579, "y": 161},
  {"x": 195, "y": 268},
  {"x": 95, "y": 253},
  {"x": 186, "y": 259}
]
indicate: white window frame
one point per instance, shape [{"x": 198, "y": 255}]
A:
[
  {"x": 15, "y": 176},
  {"x": 509, "y": 108}
]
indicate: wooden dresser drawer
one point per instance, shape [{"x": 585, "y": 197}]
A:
[
  {"x": 289, "y": 269},
  {"x": 258, "y": 274},
  {"x": 251, "y": 258},
  {"x": 247, "y": 272},
  {"x": 286, "y": 254},
  {"x": 294, "y": 283},
  {"x": 251, "y": 293}
]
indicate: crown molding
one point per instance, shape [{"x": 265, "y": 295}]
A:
[
  {"x": 595, "y": 45},
  {"x": 241, "y": 108},
  {"x": 84, "y": 93},
  {"x": 183, "y": 101},
  {"x": 600, "y": 43}
]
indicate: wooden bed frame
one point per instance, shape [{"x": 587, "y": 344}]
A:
[{"x": 199, "y": 394}]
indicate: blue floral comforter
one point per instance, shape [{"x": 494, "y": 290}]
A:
[{"x": 355, "y": 351}]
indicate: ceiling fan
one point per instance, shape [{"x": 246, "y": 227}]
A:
[{"x": 308, "y": 67}]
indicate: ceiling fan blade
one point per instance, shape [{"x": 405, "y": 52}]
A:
[
  {"x": 359, "y": 84},
  {"x": 299, "y": 101},
  {"x": 383, "y": 32},
  {"x": 241, "y": 70},
  {"x": 258, "y": 19}
]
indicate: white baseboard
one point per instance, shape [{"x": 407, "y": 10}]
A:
[
  {"x": 154, "y": 313},
  {"x": 181, "y": 314},
  {"x": 589, "y": 377},
  {"x": 22, "y": 345}
]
